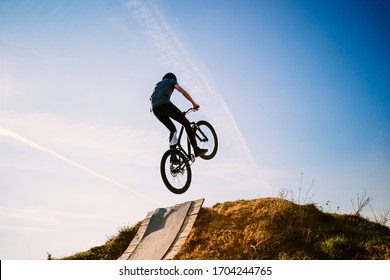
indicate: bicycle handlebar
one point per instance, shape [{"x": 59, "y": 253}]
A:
[{"x": 189, "y": 111}]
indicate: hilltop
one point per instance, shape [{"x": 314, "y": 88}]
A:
[{"x": 268, "y": 228}]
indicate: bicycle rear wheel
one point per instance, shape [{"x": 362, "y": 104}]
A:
[
  {"x": 175, "y": 171},
  {"x": 206, "y": 138}
]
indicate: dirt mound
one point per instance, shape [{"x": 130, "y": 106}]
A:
[
  {"x": 268, "y": 228},
  {"x": 274, "y": 228}
]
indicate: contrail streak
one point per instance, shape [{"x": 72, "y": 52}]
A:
[
  {"x": 174, "y": 54},
  {"x": 19, "y": 138}
]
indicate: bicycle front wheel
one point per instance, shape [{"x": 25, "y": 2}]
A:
[
  {"x": 175, "y": 171},
  {"x": 206, "y": 138}
]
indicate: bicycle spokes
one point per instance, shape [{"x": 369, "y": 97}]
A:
[
  {"x": 201, "y": 136},
  {"x": 175, "y": 171},
  {"x": 206, "y": 138}
]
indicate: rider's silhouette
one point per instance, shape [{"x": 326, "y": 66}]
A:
[{"x": 165, "y": 110}]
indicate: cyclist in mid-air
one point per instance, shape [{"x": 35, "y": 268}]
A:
[{"x": 165, "y": 110}]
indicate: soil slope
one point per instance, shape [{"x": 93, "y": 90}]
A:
[{"x": 268, "y": 228}]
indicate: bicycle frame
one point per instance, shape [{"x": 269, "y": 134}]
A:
[
  {"x": 175, "y": 163},
  {"x": 188, "y": 153}
]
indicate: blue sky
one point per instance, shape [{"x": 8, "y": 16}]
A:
[{"x": 292, "y": 87}]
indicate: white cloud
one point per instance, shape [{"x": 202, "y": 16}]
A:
[
  {"x": 36, "y": 216},
  {"x": 70, "y": 163},
  {"x": 236, "y": 155},
  {"x": 82, "y": 140},
  {"x": 174, "y": 55}
]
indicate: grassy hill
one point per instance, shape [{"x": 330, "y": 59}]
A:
[{"x": 268, "y": 228}]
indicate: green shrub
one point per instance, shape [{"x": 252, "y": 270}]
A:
[{"x": 342, "y": 248}]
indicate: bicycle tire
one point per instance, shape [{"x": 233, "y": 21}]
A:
[
  {"x": 206, "y": 138},
  {"x": 176, "y": 177}
]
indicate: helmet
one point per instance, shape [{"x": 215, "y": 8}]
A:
[{"x": 170, "y": 76}]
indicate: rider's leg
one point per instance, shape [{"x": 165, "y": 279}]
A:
[
  {"x": 162, "y": 115},
  {"x": 173, "y": 140},
  {"x": 178, "y": 116}
]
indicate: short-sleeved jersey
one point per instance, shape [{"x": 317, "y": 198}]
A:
[{"x": 162, "y": 92}]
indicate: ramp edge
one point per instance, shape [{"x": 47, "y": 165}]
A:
[
  {"x": 180, "y": 238},
  {"x": 185, "y": 229}
]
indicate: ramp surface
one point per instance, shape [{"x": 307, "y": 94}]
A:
[{"x": 163, "y": 232}]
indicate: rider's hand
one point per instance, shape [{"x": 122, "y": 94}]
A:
[{"x": 195, "y": 106}]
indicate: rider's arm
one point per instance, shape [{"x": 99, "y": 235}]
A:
[{"x": 187, "y": 96}]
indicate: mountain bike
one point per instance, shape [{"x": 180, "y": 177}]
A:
[{"x": 176, "y": 163}]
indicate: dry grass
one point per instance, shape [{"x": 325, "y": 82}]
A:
[
  {"x": 274, "y": 228},
  {"x": 269, "y": 228},
  {"x": 112, "y": 249}
]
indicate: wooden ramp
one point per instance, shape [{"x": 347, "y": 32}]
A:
[{"x": 163, "y": 232}]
